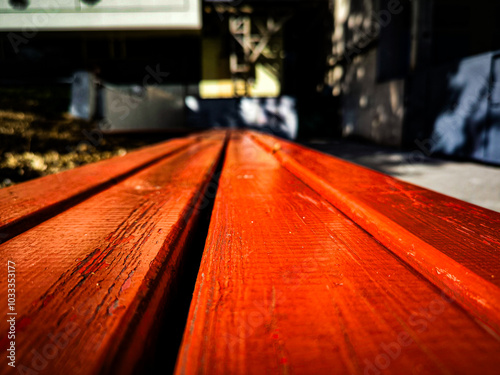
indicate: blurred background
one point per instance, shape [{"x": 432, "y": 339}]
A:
[{"x": 406, "y": 87}]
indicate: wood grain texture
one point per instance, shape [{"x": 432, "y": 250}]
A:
[
  {"x": 25, "y": 205},
  {"x": 288, "y": 284},
  {"x": 91, "y": 280},
  {"x": 456, "y": 245}
]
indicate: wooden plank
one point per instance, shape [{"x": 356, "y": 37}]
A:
[
  {"x": 456, "y": 245},
  {"x": 290, "y": 285},
  {"x": 91, "y": 281},
  {"x": 25, "y": 205}
]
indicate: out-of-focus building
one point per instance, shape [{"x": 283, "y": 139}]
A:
[
  {"x": 129, "y": 57},
  {"x": 420, "y": 74},
  {"x": 406, "y": 73}
]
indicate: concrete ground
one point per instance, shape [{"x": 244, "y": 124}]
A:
[{"x": 469, "y": 181}]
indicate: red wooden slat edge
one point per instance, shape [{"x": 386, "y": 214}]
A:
[
  {"x": 134, "y": 341},
  {"x": 288, "y": 284},
  {"x": 128, "y": 242},
  {"x": 477, "y": 295},
  {"x": 25, "y": 205}
]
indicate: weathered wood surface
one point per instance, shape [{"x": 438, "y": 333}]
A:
[
  {"x": 25, "y": 205},
  {"x": 312, "y": 265},
  {"x": 288, "y": 284},
  {"x": 91, "y": 280},
  {"x": 456, "y": 245}
]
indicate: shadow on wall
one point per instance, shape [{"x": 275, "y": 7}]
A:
[
  {"x": 372, "y": 110},
  {"x": 277, "y": 116},
  {"x": 460, "y": 105}
]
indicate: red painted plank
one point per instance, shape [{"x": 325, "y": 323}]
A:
[
  {"x": 22, "y": 205},
  {"x": 288, "y": 284},
  {"x": 454, "y": 244},
  {"x": 95, "y": 276}
]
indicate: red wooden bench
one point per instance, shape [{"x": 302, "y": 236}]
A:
[
  {"x": 455, "y": 245},
  {"x": 311, "y": 265},
  {"x": 91, "y": 281},
  {"x": 300, "y": 273}
]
